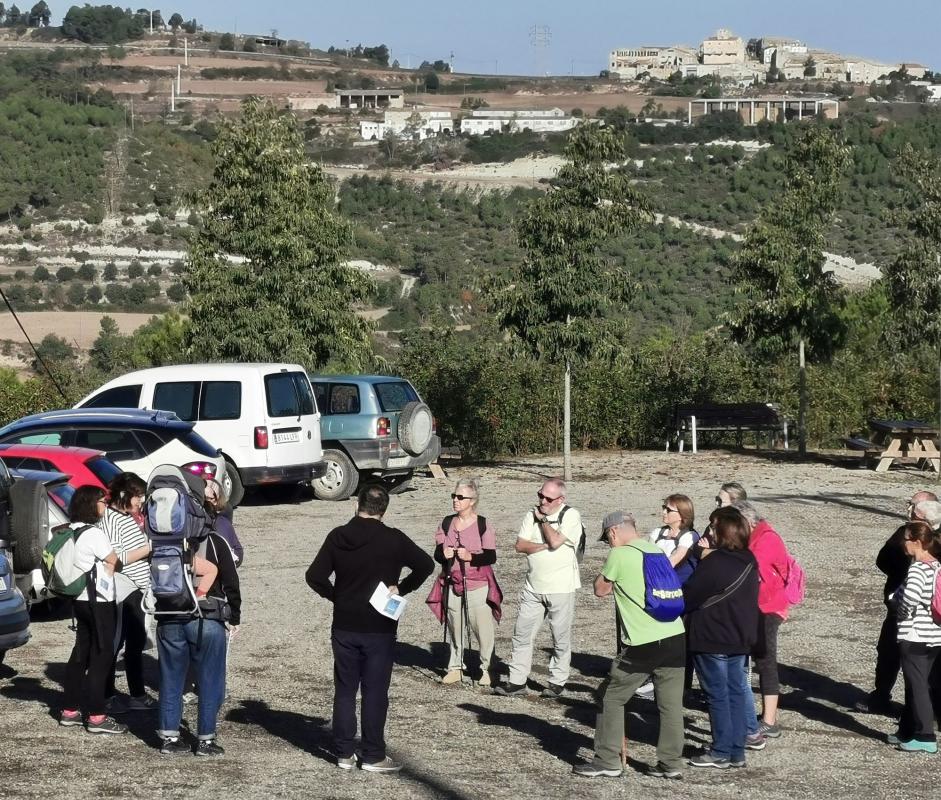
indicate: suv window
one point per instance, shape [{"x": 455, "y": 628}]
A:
[
  {"x": 119, "y": 445},
  {"x": 103, "y": 469},
  {"x": 344, "y": 398},
  {"x": 118, "y": 397},
  {"x": 180, "y": 397},
  {"x": 149, "y": 441},
  {"x": 395, "y": 396},
  {"x": 36, "y": 437},
  {"x": 281, "y": 393},
  {"x": 221, "y": 400}
]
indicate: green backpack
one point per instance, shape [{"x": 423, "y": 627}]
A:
[{"x": 59, "y": 572}]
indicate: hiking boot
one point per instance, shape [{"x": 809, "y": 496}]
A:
[
  {"x": 208, "y": 747},
  {"x": 755, "y": 741},
  {"x": 106, "y": 725},
  {"x": 386, "y": 765},
  {"x": 174, "y": 747},
  {"x": 661, "y": 770},
  {"x": 918, "y": 746},
  {"x": 593, "y": 769},
  {"x": 71, "y": 719},
  {"x": 768, "y": 730},
  {"x": 510, "y": 689},
  {"x": 708, "y": 760},
  {"x": 346, "y": 762},
  {"x": 452, "y": 676},
  {"x": 484, "y": 679},
  {"x": 142, "y": 703},
  {"x": 553, "y": 691}
]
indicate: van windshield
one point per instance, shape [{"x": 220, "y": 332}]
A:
[{"x": 395, "y": 396}]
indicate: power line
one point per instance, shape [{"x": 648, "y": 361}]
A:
[{"x": 39, "y": 358}]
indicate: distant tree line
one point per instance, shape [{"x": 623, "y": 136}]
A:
[
  {"x": 379, "y": 54},
  {"x": 37, "y": 17}
]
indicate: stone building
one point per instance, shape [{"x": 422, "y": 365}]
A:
[{"x": 723, "y": 47}]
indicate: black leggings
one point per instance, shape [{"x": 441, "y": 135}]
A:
[
  {"x": 766, "y": 655},
  {"x": 92, "y": 656},
  {"x": 134, "y": 639}
]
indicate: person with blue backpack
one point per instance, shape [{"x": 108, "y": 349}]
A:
[{"x": 650, "y": 606}]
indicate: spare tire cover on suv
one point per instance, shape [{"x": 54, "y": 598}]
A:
[
  {"x": 29, "y": 524},
  {"x": 416, "y": 427}
]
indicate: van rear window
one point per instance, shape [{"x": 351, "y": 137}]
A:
[
  {"x": 395, "y": 396},
  {"x": 284, "y": 397}
]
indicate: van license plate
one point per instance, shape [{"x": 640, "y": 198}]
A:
[{"x": 293, "y": 436}]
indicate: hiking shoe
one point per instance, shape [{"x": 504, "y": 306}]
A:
[
  {"x": 918, "y": 746},
  {"x": 142, "y": 703},
  {"x": 452, "y": 676},
  {"x": 708, "y": 760},
  {"x": 386, "y": 765},
  {"x": 115, "y": 705},
  {"x": 174, "y": 747},
  {"x": 208, "y": 747},
  {"x": 660, "y": 770},
  {"x": 738, "y": 764},
  {"x": 484, "y": 679},
  {"x": 755, "y": 741},
  {"x": 510, "y": 689},
  {"x": 769, "y": 731},
  {"x": 346, "y": 762},
  {"x": 107, "y": 725},
  {"x": 553, "y": 691},
  {"x": 874, "y": 704},
  {"x": 70, "y": 719},
  {"x": 593, "y": 769}
]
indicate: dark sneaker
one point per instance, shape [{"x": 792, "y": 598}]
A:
[
  {"x": 755, "y": 741},
  {"x": 510, "y": 689},
  {"x": 115, "y": 705},
  {"x": 70, "y": 719},
  {"x": 142, "y": 703},
  {"x": 346, "y": 762},
  {"x": 174, "y": 747},
  {"x": 595, "y": 770},
  {"x": 386, "y": 765},
  {"x": 738, "y": 764},
  {"x": 553, "y": 691},
  {"x": 769, "y": 731},
  {"x": 107, "y": 725},
  {"x": 208, "y": 747},
  {"x": 708, "y": 760},
  {"x": 874, "y": 704},
  {"x": 660, "y": 770}
]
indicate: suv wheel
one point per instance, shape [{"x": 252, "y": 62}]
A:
[
  {"x": 416, "y": 427},
  {"x": 340, "y": 479},
  {"x": 29, "y": 524}
]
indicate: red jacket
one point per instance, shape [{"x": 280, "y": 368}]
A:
[{"x": 771, "y": 555}]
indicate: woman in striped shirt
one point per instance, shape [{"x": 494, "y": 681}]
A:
[
  {"x": 919, "y": 638},
  {"x": 133, "y": 548}
]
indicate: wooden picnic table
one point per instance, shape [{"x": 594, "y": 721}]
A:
[{"x": 905, "y": 438}]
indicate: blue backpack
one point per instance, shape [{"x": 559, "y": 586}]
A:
[{"x": 663, "y": 595}]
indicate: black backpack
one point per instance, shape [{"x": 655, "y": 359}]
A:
[{"x": 582, "y": 540}]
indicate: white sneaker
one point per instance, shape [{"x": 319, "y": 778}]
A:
[{"x": 386, "y": 765}]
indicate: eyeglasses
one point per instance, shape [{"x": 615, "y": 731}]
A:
[
  {"x": 670, "y": 510},
  {"x": 546, "y": 498},
  {"x": 462, "y": 497},
  {"x": 718, "y": 501}
]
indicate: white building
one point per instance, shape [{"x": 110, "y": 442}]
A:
[
  {"x": 658, "y": 62},
  {"x": 860, "y": 70},
  {"x": 487, "y": 120},
  {"x": 723, "y": 47},
  {"x": 418, "y": 125}
]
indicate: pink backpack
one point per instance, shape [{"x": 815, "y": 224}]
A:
[
  {"x": 936, "y": 598},
  {"x": 794, "y": 583}
]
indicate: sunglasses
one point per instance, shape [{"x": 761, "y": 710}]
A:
[
  {"x": 546, "y": 497},
  {"x": 462, "y": 497},
  {"x": 670, "y": 510},
  {"x": 718, "y": 500}
]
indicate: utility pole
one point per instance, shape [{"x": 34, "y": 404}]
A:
[
  {"x": 539, "y": 38},
  {"x": 179, "y": 80}
]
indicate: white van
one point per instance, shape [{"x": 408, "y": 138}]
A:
[{"x": 263, "y": 417}]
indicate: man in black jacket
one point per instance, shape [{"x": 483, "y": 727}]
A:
[{"x": 361, "y": 555}]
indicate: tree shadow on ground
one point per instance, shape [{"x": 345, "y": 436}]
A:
[
  {"x": 309, "y": 734},
  {"x": 811, "y": 692},
  {"x": 846, "y": 500}
]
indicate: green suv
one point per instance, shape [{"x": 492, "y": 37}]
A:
[{"x": 374, "y": 428}]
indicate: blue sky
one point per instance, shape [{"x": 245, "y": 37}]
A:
[{"x": 489, "y": 35}]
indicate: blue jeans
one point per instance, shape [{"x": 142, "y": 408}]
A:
[
  {"x": 722, "y": 678},
  {"x": 751, "y": 717},
  {"x": 177, "y": 649}
]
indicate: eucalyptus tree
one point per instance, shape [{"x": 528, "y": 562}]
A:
[{"x": 565, "y": 302}]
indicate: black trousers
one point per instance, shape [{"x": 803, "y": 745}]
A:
[
  {"x": 917, "y": 720},
  {"x": 92, "y": 656},
  {"x": 888, "y": 658},
  {"x": 766, "y": 655},
  {"x": 134, "y": 638},
  {"x": 361, "y": 662}
]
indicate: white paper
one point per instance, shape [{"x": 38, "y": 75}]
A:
[{"x": 389, "y": 605}]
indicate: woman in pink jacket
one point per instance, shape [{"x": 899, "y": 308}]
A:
[{"x": 772, "y": 557}]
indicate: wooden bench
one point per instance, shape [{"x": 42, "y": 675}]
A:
[{"x": 739, "y": 418}]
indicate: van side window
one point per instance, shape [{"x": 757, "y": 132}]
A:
[
  {"x": 180, "y": 397},
  {"x": 221, "y": 400},
  {"x": 344, "y": 398},
  {"x": 118, "y": 397},
  {"x": 281, "y": 394}
]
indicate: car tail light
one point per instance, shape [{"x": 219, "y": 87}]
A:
[
  {"x": 261, "y": 438},
  {"x": 383, "y": 426},
  {"x": 205, "y": 469}
]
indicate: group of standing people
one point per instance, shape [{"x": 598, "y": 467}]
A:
[{"x": 113, "y": 550}]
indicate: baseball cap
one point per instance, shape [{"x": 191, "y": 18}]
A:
[{"x": 613, "y": 518}]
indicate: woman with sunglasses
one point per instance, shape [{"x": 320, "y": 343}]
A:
[
  {"x": 677, "y": 536},
  {"x": 919, "y": 639},
  {"x": 466, "y": 548}
]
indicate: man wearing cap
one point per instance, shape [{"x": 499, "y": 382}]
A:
[
  {"x": 548, "y": 537},
  {"x": 650, "y": 648}
]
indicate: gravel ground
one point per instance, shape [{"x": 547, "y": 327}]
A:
[{"x": 463, "y": 742}]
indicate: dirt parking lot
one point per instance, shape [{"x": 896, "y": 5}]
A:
[{"x": 462, "y": 742}]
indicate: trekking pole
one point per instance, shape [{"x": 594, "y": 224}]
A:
[{"x": 464, "y": 616}]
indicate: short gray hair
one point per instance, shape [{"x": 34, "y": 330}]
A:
[
  {"x": 469, "y": 483},
  {"x": 734, "y": 490},
  {"x": 930, "y": 512},
  {"x": 747, "y": 510}
]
